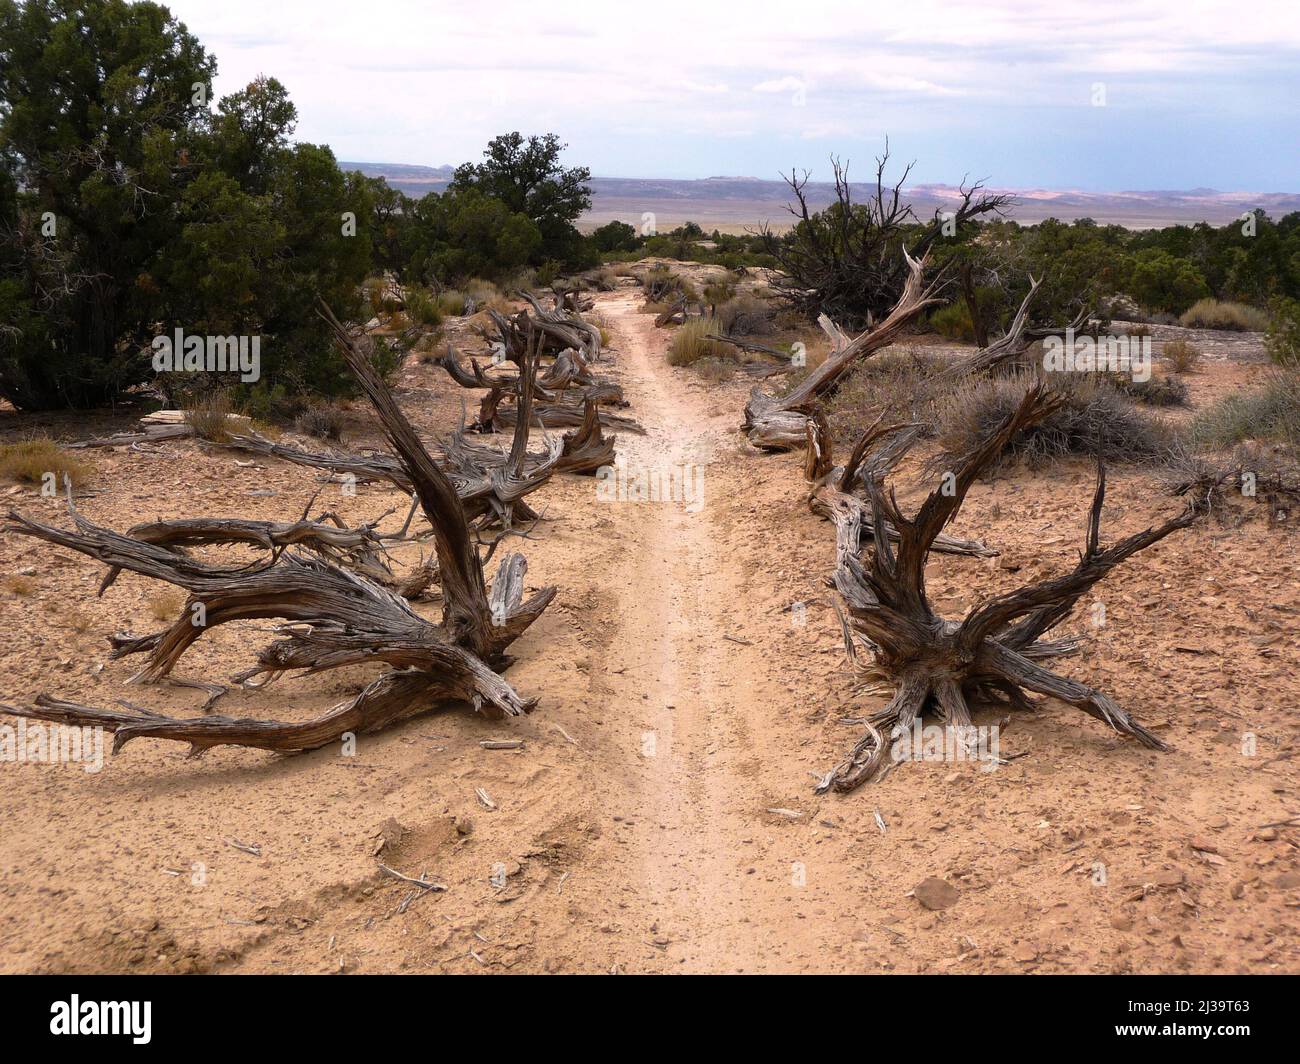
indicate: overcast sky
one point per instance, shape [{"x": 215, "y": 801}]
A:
[{"x": 1102, "y": 95}]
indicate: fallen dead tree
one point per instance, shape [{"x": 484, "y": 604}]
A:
[
  {"x": 336, "y": 618},
  {"x": 360, "y": 549},
  {"x": 780, "y": 422},
  {"x": 941, "y": 667},
  {"x": 839, "y": 493},
  {"x": 562, "y": 392}
]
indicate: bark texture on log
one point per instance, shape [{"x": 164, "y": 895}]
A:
[
  {"x": 336, "y": 617},
  {"x": 779, "y": 423},
  {"x": 940, "y": 666}
]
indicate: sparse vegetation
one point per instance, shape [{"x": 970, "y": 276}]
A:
[
  {"x": 1282, "y": 341},
  {"x": 1155, "y": 391},
  {"x": 324, "y": 421},
  {"x": 694, "y": 341},
  {"x": 422, "y": 307},
  {"x": 1218, "y": 314},
  {"x": 1269, "y": 412},
  {"x": 1181, "y": 356},
  {"x": 30, "y": 460},
  {"x": 19, "y": 585},
  {"x": 209, "y": 415},
  {"x": 747, "y": 315},
  {"x": 165, "y": 605},
  {"x": 1096, "y": 421},
  {"x": 894, "y": 383}
]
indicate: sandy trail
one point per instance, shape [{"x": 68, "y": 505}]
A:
[{"x": 671, "y": 663}]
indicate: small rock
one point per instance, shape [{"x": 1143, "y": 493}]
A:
[{"x": 935, "y": 893}]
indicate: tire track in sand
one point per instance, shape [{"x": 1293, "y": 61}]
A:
[{"x": 682, "y": 692}]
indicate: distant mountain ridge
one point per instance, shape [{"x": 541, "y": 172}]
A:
[{"x": 735, "y": 203}]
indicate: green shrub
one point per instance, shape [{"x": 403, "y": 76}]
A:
[
  {"x": 422, "y": 307},
  {"x": 953, "y": 321},
  {"x": 1282, "y": 341}
]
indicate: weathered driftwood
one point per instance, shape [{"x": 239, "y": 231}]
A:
[
  {"x": 941, "y": 666},
  {"x": 360, "y": 549},
  {"x": 780, "y": 422},
  {"x": 561, "y": 391},
  {"x": 146, "y": 435},
  {"x": 586, "y": 449},
  {"x": 337, "y": 618},
  {"x": 838, "y": 493}
]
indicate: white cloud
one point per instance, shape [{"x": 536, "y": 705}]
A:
[{"x": 408, "y": 80}]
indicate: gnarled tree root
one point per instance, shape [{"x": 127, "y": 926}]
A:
[
  {"x": 941, "y": 667},
  {"x": 336, "y": 617}
]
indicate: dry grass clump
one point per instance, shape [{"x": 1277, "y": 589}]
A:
[
  {"x": 1269, "y": 412},
  {"x": 693, "y": 341},
  {"x": 165, "y": 605},
  {"x": 323, "y": 421},
  {"x": 22, "y": 586},
  {"x": 79, "y": 620},
  {"x": 1181, "y": 356},
  {"x": 716, "y": 370},
  {"x": 451, "y": 303},
  {"x": 1096, "y": 421},
  {"x": 1155, "y": 391},
  {"x": 602, "y": 323},
  {"x": 896, "y": 383},
  {"x": 28, "y": 461},
  {"x": 209, "y": 416},
  {"x": 1217, "y": 314},
  {"x": 747, "y": 315}
]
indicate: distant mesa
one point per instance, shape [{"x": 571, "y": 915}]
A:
[{"x": 735, "y": 203}]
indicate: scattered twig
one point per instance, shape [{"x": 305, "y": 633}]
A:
[{"x": 423, "y": 883}]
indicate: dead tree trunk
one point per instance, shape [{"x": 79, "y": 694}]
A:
[
  {"x": 360, "y": 549},
  {"x": 940, "y": 666},
  {"x": 838, "y": 493},
  {"x": 779, "y": 423},
  {"x": 337, "y": 617}
]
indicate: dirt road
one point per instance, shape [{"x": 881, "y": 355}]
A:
[{"x": 660, "y": 816}]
